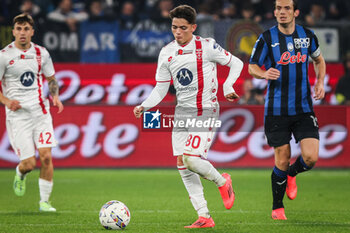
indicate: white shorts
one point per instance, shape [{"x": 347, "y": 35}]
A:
[
  {"x": 26, "y": 135},
  {"x": 192, "y": 143},
  {"x": 191, "y": 140}
]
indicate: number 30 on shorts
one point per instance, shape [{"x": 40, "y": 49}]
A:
[
  {"x": 45, "y": 138},
  {"x": 193, "y": 141}
]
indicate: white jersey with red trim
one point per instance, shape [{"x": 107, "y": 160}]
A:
[
  {"x": 193, "y": 70},
  {"x": 21, "y": 78}
]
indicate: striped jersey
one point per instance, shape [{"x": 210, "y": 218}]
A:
[
  {"x": 290, "y": 94},
  {"x": 192, "y": 68},
  {"x": 21, "y": 78}
]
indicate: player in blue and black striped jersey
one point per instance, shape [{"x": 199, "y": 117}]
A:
[{"x": 284, "y": 51}]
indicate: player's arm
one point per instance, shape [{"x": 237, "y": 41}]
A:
[
  {"x": 13, "y": 105},
  {"x": 236, "y": 66},
  {"x": 49, "y": 72},
  {"x": 157, "y": 95},
  {"x": 320, "y": 70},
  {"x": 319, "y": 66},
  {"x": 53, "y": 89},
  {"x": 270, "y": 74},
  {"x": 259, "y": 54},
  {"x": 219, "y": 55}
]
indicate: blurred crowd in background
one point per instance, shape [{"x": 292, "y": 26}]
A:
[
  {"x": 129, "y": 13},
  {"x": 313, "y": 12}
]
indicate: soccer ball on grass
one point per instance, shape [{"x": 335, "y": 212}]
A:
[{"x": 114, "y": 215}]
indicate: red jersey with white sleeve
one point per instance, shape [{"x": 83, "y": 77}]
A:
[
  {"x": 21, "y": 77},
  {"x": 193, "y": 70}
]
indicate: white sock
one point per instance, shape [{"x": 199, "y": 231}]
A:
[
  {"x": 45, "y": 188},
  {"x": 19, "y": 173},
  {"x": 194, "y": 188},
  {"x": 204, "y": 168}
]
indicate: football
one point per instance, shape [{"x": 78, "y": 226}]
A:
[{"x": 114, "y": 215}]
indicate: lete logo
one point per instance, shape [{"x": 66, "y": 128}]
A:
[
  {"x": 332, "y": 137},
  {"x": 287, "y": 58}
]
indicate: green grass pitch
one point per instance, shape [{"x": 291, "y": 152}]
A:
[{"x": 158, "y": 202}]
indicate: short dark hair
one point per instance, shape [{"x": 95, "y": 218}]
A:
[
  {"x": 23, "y": 18},
  {"x": 184, "y": 12},
  {"x": 295, "y": 4}
]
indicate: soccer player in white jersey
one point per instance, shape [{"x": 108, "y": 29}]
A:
[
  {"x": 191, "y": 62},
  {"x": 28, "y": 119}
]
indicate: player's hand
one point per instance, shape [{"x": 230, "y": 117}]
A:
[
  {"x": 319, "y": 91},
  {"x": 57, "y": 102},
  {"x": 138, "y": 110},
  {"x": 13, "y": 105},
  {"x": 272, "y": 74},
  {"x": 232, "y": 96}
]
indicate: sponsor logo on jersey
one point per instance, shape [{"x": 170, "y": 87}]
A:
[
  {"x": 189, "y": 88},
  {"x": 183, "y": 52},
  {"x": 27, "y": 78},
  {"x": 151, "y": 120},
  {"x": 170, "y": 58},
  {"x": 184, "y": 76},
  {"x": 301, "y": 43},
  {"x": 24, "y": 56},
  {"x": 188, "y": 52},
  {"x": 11, "y": 62},
  {"x": 287, "y": 58}
]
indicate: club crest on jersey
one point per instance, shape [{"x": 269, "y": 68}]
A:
[
  {"x": 290, "y": 46},
  {"x": 184, "y": 76},
  {"x": 301, "y": 43},
  {"x": 27, "y": 78}
]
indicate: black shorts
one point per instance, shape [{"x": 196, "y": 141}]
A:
[{"x": 279, "y": 129}]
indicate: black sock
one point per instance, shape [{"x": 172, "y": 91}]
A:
[
  {"x": 279, "y": 183},
  {"x": 298, "y": 166}
]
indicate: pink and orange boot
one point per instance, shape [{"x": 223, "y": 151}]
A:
[
  {"x": 278, "y": 214},
  {"x": 291, "y": 189},
  {"x": 202, "y": 223},
  {"x": 226, "y": 191}
]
